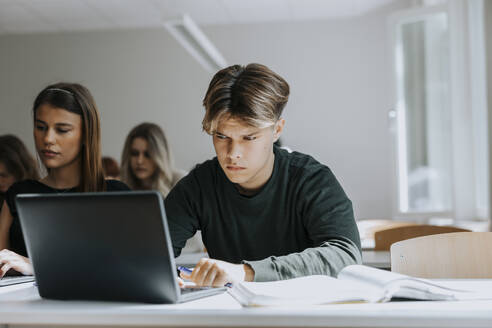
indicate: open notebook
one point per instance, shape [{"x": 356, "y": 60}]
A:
[{"x": 355, "y": 283}]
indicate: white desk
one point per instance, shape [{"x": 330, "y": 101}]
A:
[{"x": 20, "y": 306}]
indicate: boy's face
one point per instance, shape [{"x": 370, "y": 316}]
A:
[{"x": 245, "y": 153}]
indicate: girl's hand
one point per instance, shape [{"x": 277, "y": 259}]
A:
[{"x": 10, "y": 260}]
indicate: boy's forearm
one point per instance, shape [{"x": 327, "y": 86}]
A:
[{"x": 327, "y": 259}]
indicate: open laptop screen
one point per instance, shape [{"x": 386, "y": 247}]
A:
[{"x": 100, "y": 246}]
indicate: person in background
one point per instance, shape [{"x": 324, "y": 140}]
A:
[
  {"x": 67, "y": 137},
  {"x": 147, "y": 164},
  {"x": 111, "y": 168},
  {"x": 264, "y": 213},
  {"x": 16, "y": 163}
]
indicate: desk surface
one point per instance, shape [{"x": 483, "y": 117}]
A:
[{"x": 21, "y": 305}]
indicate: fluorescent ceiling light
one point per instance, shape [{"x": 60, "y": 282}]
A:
[{"x": 191, "y": 37}]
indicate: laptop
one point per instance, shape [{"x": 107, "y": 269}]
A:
[
  {"x": 14, "y": 280},
  {"x": 109, "y": 246}
]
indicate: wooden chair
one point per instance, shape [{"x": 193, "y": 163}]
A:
[
  {"x": 384, "y": 238},
  {"x": 446, "y": 256}
]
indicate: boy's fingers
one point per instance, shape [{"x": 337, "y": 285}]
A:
[
  {"x": 180, "y": 282},
  {"x": 184, "y": 275},
  {"x": 210, "y": 277}
]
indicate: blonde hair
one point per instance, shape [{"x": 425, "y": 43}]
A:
[
  {"x": 253, "y": 94},
  {"x": 165, "y": 175}
]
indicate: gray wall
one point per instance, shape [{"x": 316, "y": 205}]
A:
[{"x": 339, "y": 73}]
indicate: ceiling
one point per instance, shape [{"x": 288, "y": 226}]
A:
[{"x": 35, "y": 16}]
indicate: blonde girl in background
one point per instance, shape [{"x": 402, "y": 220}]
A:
[{"x": 147, "y": 164}]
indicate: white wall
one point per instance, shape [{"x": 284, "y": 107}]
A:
[
  {"x": 338, "y": 72},
  {"x": 135, "y": 76}
]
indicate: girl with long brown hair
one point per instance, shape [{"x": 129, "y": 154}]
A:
[{"x": 68, "y": 142}]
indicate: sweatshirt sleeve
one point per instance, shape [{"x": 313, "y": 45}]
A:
[
  {"x": 327, "y": 259},
  {"x": 328, "y": 219}
]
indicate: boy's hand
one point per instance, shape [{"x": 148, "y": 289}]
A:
[{"x": 209, "y": 272}]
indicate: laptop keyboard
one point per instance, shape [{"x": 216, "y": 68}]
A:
[
  {"x": 191, "y": 289},
  {"x": 12, "y": 280},
  {"x": 190, "y": 293}
]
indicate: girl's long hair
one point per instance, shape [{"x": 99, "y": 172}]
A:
[{"x": 77, "y": 99}]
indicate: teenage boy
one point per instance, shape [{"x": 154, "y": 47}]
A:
[{"x": 264, "y": 214}]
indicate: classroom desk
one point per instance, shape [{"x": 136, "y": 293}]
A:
[
  {"x": 21, "y": 306},
  {"x": 377, "y": 259}
]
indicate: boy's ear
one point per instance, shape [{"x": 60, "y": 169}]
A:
[{"x": 278, "y": 128}]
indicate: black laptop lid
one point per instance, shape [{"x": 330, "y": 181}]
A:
[{"x": 100, "y": 246}]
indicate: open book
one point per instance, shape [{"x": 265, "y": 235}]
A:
[{"x": 355, "y": 283}]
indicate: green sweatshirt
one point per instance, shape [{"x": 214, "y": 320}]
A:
[{"x": 300, "y": 223}]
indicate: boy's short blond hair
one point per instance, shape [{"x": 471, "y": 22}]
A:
[{"x": 253, "y": 94}]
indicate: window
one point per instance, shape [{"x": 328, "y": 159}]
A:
[{"x": 440, "y": 130}]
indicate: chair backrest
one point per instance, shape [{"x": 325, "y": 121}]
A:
[
  {"x": 446, "y": 256},
  {"x": 383, "y": 239}
]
